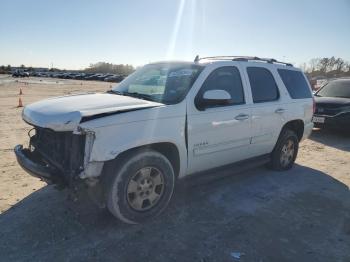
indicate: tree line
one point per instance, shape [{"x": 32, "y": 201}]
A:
[
  {"x": 103, "y": 67},
  {"x": 100, "y": 67},
  {"x": 5, "y": 69},
  {"x": 327, "y": 67}
]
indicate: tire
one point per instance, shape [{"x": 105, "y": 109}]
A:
[
  {"x": 284, "y": 154},
  {"x": 147, "y": 173}
]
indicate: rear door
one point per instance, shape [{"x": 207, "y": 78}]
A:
[
  {"x": 218, "y": 134},
  {"x": 268, "y": 108}
]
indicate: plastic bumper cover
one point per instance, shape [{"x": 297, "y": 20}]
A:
[
  {"x": 35, "y": 168},
  {"x": 340, "y": 121},
  {"x": 307, "y": 130}
]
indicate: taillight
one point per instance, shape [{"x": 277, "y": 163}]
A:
[{"x": 313, "y": 105}]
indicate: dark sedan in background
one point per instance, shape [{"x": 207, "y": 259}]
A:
[{"x": 333, "y": 105}]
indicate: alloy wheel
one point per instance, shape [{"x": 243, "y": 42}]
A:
[
  {"x": 287, "y": 153},
  {"x": 145, "y": 188}
]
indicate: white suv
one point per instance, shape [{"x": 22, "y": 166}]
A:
[{"x": 166, "y": 121}]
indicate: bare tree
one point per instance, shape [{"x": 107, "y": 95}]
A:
[
  {"x": 324, "y": 62},
  {"x": 330, "y": 67},
  {"x": 331, "y": 63},
  {"x": 340, "y": 64},
  {"x": 314, "y": 64}
]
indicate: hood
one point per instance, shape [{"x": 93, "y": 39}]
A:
[
  {"x": 332, "y": 102},
  {"x": 65, "y": 113}
]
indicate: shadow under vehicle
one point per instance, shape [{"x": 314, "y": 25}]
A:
[{"x": 268, "y": 216}]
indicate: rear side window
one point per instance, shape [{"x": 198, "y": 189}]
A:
[
  {"x": 295, "y": 83},
  {"x": 263, "y": 85}
]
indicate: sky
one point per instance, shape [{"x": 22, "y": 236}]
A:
[{"x": 72, "y": 34}]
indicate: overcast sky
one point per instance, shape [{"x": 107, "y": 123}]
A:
[{"x": 73, "y": 34}]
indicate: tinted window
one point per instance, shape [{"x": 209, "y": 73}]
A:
[
  {"x": 263, "y": 85},
  {"x": 337, "y": 88},
  {"x": 296, "y": 83},
  {"x": 225, "y": 78}
]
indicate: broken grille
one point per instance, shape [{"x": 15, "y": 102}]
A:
[{"x": 64, "y": 150}]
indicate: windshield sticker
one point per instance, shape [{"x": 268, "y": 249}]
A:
[
  {"x": 183, "y": 72},
  {"x": 147, "y": 89}
]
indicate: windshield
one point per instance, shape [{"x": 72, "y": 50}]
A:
[
  {"x": 337, "y": 88},
  {"x": 165, "y": 83}
]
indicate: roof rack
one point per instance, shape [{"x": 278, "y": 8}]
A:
[{"x": 242, "y": 58}]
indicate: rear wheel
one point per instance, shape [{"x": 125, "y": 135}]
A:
[
  {"x": 285, "y": 152},
  {"x": 141, "y": 188}
]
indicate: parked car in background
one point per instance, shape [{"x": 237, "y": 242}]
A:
[
  {"x": 114, "y": 78},
  {"x": 42, "y": 74},
  {"x": 20, "y": 74},
  {"x": 62, "y": 75},
  {"x": 167, "y": 121},
  {"x": 93, "y": 77},
  {"x": 71, "y": 75},
  {"x": 104, "y": 76},
  {"x": 110, "y": 78},
  {"x": 80, "y": 76},
  {"x": 320, "y": 83},
  {"x": 333, "y": 105}
]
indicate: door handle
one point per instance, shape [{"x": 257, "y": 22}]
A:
[
  {"x": 242, "y": 117},
  {"x": 280, "y": 111}
]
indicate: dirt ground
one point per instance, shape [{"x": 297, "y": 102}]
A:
[{"x": 299, "y": 215}]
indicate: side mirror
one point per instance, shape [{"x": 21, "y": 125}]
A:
[{"x": 215, "y": 98}]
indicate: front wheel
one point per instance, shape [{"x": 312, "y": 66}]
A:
[
  {"x": 285, "y": 152},
  {"x": 141, "y": 188}
]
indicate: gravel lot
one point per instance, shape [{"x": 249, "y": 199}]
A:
[{"x": 299, "y": 215}]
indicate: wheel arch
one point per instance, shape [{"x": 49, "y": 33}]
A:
[
  {"x": 296, "y": 125},
  {"x": 168, "y": 149}
]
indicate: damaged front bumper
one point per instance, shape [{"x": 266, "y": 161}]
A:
[
  {"x": 34, "y": 166},
  {"x": 59, "y": 157}
]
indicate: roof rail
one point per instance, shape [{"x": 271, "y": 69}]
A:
[{"x": 242, "y": 58}]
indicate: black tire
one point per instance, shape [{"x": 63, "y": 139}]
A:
[
  {"x": 119, "y": 180},
  {"x": 278, "y": 154}
]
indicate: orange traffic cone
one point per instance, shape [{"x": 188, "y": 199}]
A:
[
  {"x": 20, "y": 104},
  {"x": 20, "y": 91}
]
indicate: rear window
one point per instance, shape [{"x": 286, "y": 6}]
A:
[
  {"x": 336, "y": 88},
  {"x": 263, "y": 85},
  {"x": 295, "y": 83}
]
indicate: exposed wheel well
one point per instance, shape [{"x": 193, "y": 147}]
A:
[
  {"x": 297, "y": 126},
  {"x": 169, "y": 150}
]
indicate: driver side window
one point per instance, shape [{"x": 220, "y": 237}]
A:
[{"x": 225, "y": 78}]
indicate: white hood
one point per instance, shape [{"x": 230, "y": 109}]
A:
[{"x": 65, "y": 113}]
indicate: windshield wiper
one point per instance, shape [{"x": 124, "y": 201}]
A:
[
  {"x": 132, "y": 94},
  {"x": 115, "y": 92},
  {"x": 138, "y": 95},
  {"x": 341, "y": 96}
]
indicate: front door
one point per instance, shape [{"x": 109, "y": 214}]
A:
[{"x": 219, "y": 134}]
